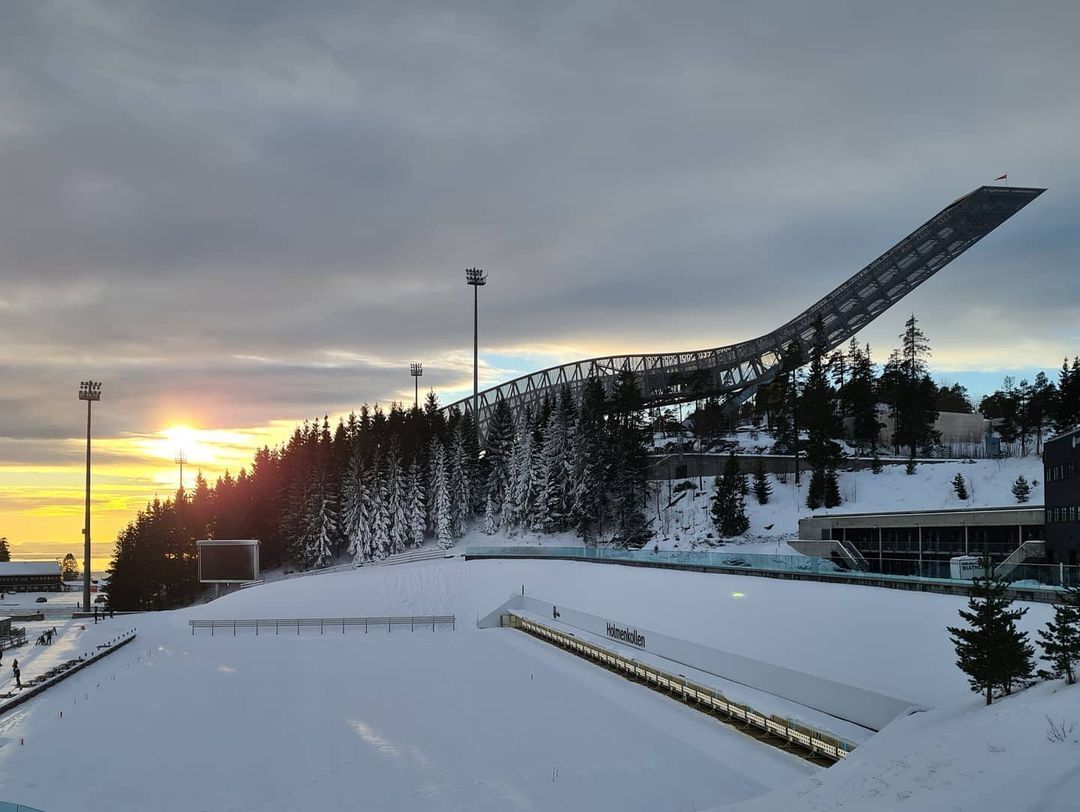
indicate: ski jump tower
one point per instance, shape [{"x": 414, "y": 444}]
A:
[{"x": 734, "y": 372}]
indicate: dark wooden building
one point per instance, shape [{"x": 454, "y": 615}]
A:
[{"x": 1061, "y": 458}]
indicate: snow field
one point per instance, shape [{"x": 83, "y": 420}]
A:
[
  {"x": 410, "y": 720},
  {"x": 476, "y": 719}
]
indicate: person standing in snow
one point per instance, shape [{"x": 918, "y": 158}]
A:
[{"x": 17, "y": 673}]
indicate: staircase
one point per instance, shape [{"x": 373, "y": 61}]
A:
[
  {"x": 1025, "y": 552},
  {"x": 852, "y": 555},
  {"x": 407, "y": 557}
]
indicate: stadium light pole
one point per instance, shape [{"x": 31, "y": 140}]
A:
[
  {"x": 180, "y": 459},
  {"x": 416, "y": 370},
  {"x": 88, "y": 391},
  {"x": 477, "y": 278}
]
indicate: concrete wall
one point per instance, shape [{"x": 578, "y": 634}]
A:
[
  {"x": 858, "y": 705},
  {"x": 954, "y": 427},
  {"x": 709, "y": 465}
]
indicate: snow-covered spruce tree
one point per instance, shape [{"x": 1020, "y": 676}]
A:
[
  {"x": 517, "y": 503},
  {"x": 460, "y": 481},
  {"x": 498, "y": 452},
  {"x": 991, "y": 649},
  {"x": 380, "y": 515},
  {"x": 1021, "y": 489},
  {"x": 440, "y": 496},
  {"x": 762, "y": 486},
  {"x": 911, "y": 467},
  {"x": 551, "y": 511},
  {"x": 728, "y": 507},
  {"x": 322, "y": 537},
  {"x": 589, "y": 505},
  {"x": 491, "y": 517},
  {"x": 397, "y": 507},
  {"x": 416, "y": 504},
  {"x": 1060, "y": 638},
  {"x": 960, "y": 486},
  {"x": 832, "y": 489},
  {"x": 352, "y": 504}
]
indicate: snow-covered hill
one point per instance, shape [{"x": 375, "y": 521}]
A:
[{"x": 687, "y": 523}]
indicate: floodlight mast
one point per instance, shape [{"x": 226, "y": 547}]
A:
[
  {"x": 88, "y": 391},
  {"x": 416, "y": 370},
  {"x": 180, "y": 459},
  {"x": 477, "y": 278}
]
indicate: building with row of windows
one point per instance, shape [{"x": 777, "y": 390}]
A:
[
  {"x": 30, "y": 576},
  {"x": 1061, "y": 458}
]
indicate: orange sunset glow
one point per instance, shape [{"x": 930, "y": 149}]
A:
[{"x": 43, "y": 505}]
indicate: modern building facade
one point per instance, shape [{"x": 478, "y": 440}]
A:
[
  {"x": 923, "y": 542},
  {"x": 1061, "y": 458}
]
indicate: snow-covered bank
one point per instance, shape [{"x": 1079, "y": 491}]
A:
[
  {"x": 962, "y": 757},
  {"x": 687, "y": 522}
]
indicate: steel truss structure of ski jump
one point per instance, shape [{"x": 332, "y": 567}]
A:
[{"x": 734, "y": 372}]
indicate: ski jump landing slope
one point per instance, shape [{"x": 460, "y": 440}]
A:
[{"x": 734, "y": 372}]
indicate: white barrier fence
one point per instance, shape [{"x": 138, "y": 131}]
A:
[{"x": 773, "y": 728}]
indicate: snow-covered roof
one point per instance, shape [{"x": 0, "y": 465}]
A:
[{"x": 29, "y": 568}]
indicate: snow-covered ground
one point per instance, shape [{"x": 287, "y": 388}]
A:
[
  {"x": 688, "y": 524},
  {"x": 488, "y": 719}
]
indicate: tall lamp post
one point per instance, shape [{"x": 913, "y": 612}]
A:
[
  {"x": 88, "y": 391},
  {"x": 416, "y": 370},
  {"x": 476, "y": 278},
  {"x": 180, "y": 459}
]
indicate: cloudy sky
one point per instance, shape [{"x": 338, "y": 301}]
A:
[{"x": 241, "y": 214}]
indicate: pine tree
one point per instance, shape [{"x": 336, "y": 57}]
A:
[
  {"x": 762, "y": 486},
  {"x": 5, "y": 551},
  {"x": 440, "y": 496},
  {"x": 460, "y": 481},
  {"x": 960, "y": 486},
  {"x": 590, "y": 455},
  {"x": 352, "y": 507},
  {"x": 499, "y": 449},
  {"x": 491, "y": 517},
  {"x": 910, "y": 391},
  {"x": 816, "y": 409},
  {"x": 911, "y": 467},
  {"x": 991, "y": 649},
  {"x": 876, "y": 466},
  {"x": 832, "y": 489},
  {"x": 1060, "y": 638},
  {"x": 380, "y": 514},
  {"x": 728, "y": 507},
  {"x": 322, "y": 535},
  {"x": 397, "y": 507},
  {"x": 815, "y": 493},
  {"x": 1021, "y": 489},
  {"x": 416, "y": 509},
  {"x": 629, "y": 462},
  {"x": 517, "y": 504}
]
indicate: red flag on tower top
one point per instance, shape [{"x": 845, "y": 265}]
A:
[{"x": 1003, "y": 177}]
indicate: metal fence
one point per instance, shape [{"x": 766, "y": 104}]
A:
[
  {"x": 775, "y": 728},
  {"x": 325, "y": 624},
  {"x": 1035, "y": 581}
]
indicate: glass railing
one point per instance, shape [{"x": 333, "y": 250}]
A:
[{"x": 1022, "y": 576}]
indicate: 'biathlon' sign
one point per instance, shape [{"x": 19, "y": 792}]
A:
[{"x": 626, "y": 635}]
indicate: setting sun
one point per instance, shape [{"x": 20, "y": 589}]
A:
[{"x": 186, "y": 439}]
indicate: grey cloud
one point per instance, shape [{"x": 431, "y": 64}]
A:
[{"x": 187, "y": 184}]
